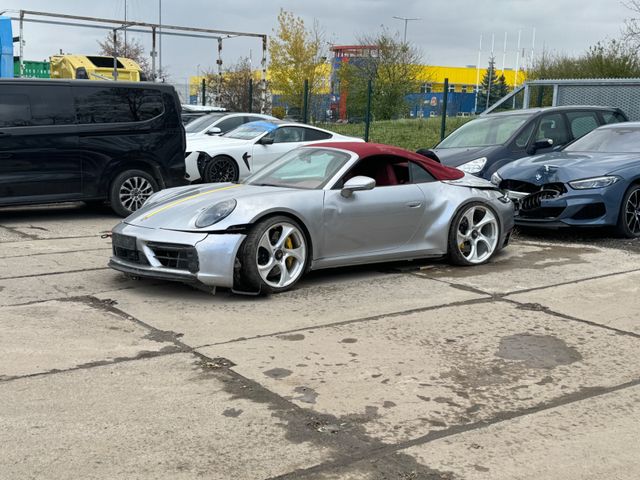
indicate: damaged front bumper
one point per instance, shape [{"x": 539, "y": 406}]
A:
[{"x": 188, "y": 257}]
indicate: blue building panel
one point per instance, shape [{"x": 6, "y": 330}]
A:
[{"x": 6, "y": 48}]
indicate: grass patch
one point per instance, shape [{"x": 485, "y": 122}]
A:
[{"x": 409, "y": 134}]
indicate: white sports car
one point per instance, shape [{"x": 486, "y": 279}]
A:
[
  {"x": 248, "y": 148},
  {"x": 219, "y": 123}
]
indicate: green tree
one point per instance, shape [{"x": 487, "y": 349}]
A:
[
  {"x": 297, "y": 54},
  {"x": 606, "y": 59},
  {"x": 490, "y": 88},
  {"x": 393, "y": 68}
]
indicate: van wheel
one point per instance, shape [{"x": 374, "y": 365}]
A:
[
  {"x": 221, "y": 169},
  {"x": 130, "y": 190}
]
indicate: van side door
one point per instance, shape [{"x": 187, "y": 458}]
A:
[{"x": 38, "y": 144}]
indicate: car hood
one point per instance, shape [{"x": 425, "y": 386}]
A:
[
  {"x": 454, "y": 157},
  {"x": 180, "y": 207},
  {"x": 566, "y": 166},
  {"x": 207, "y": 142}
]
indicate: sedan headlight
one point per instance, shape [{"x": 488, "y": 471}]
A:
[
  {"x": 215, "y": 213},
  {"x": 474, "y": 166},
  {"x": 595, "y": 182},
  {"x": 496, "y": 179}
]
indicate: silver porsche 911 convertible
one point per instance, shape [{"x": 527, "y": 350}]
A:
[{"x": 319, "y": 206}]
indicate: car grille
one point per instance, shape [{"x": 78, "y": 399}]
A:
[
  {"x": 526, "y": 187},
  {"x": 124, "y": 247},
  {"x": 176, "y": 256}
]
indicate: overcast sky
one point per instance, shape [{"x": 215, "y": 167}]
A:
[{"x": 447, "y": 34}]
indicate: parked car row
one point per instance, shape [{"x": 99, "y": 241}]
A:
[{"x": 270, "y": 200}]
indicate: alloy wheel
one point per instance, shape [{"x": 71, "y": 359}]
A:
[
  {"x": 134, "y": 191},
  {"x": 221, "y": 170},
  {"x": 477, "y": 234},
  {"x": 632, "y": 212},
  {"x": 281, "y": 255}
]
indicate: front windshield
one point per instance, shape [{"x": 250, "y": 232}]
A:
[
  {"x": 249, "y": 131},
  {"x": 485, "y": 131},
  {"x": 202, "y": 123},
  {"x": 608, "y": 140},
  {"x": 309, "y": 168}
]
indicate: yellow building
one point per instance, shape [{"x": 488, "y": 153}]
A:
[{"x": 461, "y": 79}]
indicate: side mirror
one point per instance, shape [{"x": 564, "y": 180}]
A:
[
  {"x": 266, "y": 140},
  {"x": 214, "y": 131},
  {"x": 356, "y": 184},
  {"x": 544, "y": 143}
]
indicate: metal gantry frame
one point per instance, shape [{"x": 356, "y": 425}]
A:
[{"x": 156, "y": 29}]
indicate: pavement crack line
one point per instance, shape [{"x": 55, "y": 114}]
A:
[
  {"x": 380, "y": 316},
  {"x": 98, "y": 363},
  {"x": 23, "y": 235},
  {"x": 48, "y": 274},
  {"x": 30, "y": 237},
  {"x": 502, "y": 297},
  {"x": 390, "y": 449},
  {"x": 7, "y": 257}
]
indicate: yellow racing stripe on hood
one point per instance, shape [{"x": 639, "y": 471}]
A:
[{"x": 186, "y": 199}]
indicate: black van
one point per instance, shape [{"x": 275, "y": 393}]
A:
[{"x": 69, "y": 140}]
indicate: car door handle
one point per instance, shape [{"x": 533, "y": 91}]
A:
[{"x": 414, "y": 204}]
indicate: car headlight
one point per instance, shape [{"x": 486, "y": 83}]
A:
[
  {"x": 474, "y": 166},
  {"x": 496, "y": 179},
  {"x": 215, "y": 213},
  {"x": 595, "y": 182}
]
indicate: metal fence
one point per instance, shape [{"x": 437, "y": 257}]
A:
[{"x": 620, "y": 93}]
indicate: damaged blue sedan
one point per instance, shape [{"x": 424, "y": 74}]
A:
[{"x": 595, "y": 181}]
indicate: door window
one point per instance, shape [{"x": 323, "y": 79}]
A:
[
  {"x": 582, "y": 123},
  {"x": 554, "y": 127},
  {"x": 612, "y": 117},
  {"x": 229, "y": 124},
  {"x": 116, "y": 104},
  {"x": 288, "y": 135},
  {"x": 419, "y": 174}
]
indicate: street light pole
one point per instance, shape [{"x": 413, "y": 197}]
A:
[{"x": 406, "y": 20}]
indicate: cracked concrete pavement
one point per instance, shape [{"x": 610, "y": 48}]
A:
[{"x": 525, "y": 368}]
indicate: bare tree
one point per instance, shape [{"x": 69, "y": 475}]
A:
[
  {"x": 231, "y": 90},
  {"x": 133, "y": 50}
]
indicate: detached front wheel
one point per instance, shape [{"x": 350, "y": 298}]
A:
[
  {"x": 274, "y": 255},
  {"x": 474, "y": 235}
]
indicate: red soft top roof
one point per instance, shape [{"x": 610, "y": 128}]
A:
[{"x": 364, "y": 150}]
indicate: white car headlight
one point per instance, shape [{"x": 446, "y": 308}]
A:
[
  {"x": 496, "y": 179},
  {"x": 595, "y": 182},
  {"x": 215, "y": 213},
  {"x": 474, "y": 166}
]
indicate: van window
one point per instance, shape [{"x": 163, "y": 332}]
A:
[
  {"x": 612, "y": 117},
  {"x": 582, "y": 123},
  {"x": 15, "y": 110},
  {"x": 35, "y": 105},
  {"x": 116, "y": 105}
]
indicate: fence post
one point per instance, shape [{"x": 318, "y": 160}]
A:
[
  {"x": 251, "y": 95},
  {"x": 204, "y": 90},
  {"x": 305, "y": 102},
  {"x": 367, "y": 117},
  {"x": 443, "y": 124}
]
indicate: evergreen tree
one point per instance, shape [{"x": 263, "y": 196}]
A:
[
  {"x": 489, "y": 88},
  {"x": 503, "y": 88}
]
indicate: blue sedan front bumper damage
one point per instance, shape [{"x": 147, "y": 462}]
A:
[
  {"x": 186, "y": 257},
  {"x": 575, "y": 208}
]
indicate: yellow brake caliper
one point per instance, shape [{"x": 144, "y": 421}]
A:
[{"x": 288, "y": 244}]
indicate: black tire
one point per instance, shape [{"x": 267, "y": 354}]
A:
[
  {"x": 253, "y": 254},
  {"x": 462, "y": 253},
  {"x": 221, "y": 169},
  {"x": 629, "y": 217},
  {"x": 129, "y": 191}
]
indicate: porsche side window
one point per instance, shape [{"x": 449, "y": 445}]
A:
[
  {"x": 419, "y": 174},
  {"x": 311, "y": 135}
]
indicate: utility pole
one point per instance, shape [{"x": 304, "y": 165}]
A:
[
  {"x": 160, "y": 39},
  {"x": 406, "y": 20}
]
